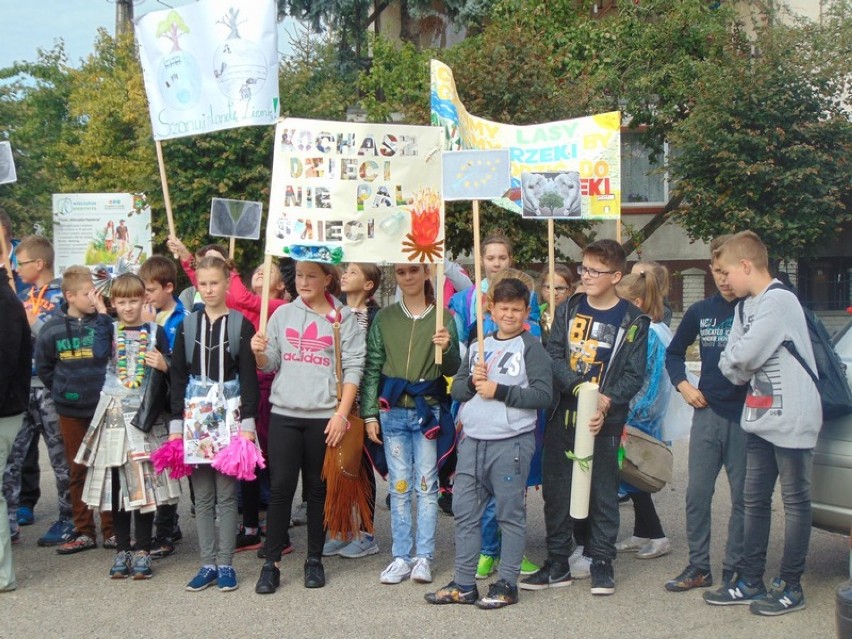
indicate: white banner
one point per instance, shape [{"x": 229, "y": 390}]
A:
[{"x": 210, "y": 65}]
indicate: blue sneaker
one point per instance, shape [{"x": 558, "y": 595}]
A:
[
  {"x": 60, "y": 532},
  {"x": 205, "y": 578},
  {"x": 141, "y": 568},
  {"x": 227, "y": 578},
  {"x": 739, "y": 593},
  {"x": 121, "y": 566},
  {"x": 26, "y": 516},
  {"x": 781, "y": 599}
]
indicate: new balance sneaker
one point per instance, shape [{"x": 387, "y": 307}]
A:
[
  {"x": 691, "y": 577},
  {"x": 141, "y": 568},
  {"x": 300, "y": 515},
  {"x": 110, "y": 543},
  {"x": 398, "y": 571},
  {"x": 603, "y": 577},
  {"x": 121, "y": 566},
  {"x": 226, "y": 578},
  {"x": 552, "y": 574},
  {"x": 781, "y": 599},
  {"x": 580, "y": 564},
  {"x": 78, "y": 544},
  {"x": 314, "y": 573},
  {"x": 655, "y": 548},
  {"x": 421, "y": 571},
  {"x": 500, "y": 594},
  {"x": 270, "y": 579},
  {"x": 26, "y": 516},
  {"x": 632, "y": 544},
  {"x": 205, "y": 578},
  {"x": 528, "y": 567},
  {"x": 60, "y": 532},
  {"x": 486, "y": 566},
  {"x": 246, "y": 541},
  {"x": 361, "y": 546},
  {"x": 162, "y": 547},
  {"x": 452, "y": 593},
  {"x": 740, "y": 592},
  {"x": 333, "y": 546}
]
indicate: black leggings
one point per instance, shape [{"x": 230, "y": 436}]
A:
[
  {"x": 295, "y": 445},
  {"x": 647, "y": 523},
  {"x": 144, "y": 522}
]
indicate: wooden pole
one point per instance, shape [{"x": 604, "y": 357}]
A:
[
  {"x": 477, "y": 274},
  {"x": 232, "y": 247},
  {"x": 264, "y": 296},
  {"x": 439, "y": 308},
  {"x": 165, "y": 183},
  {"x": 618, "y": 230},
  {"x": 551, "y": 269}
]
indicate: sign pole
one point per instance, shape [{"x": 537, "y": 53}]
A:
[
  {"x": 232, "y": 247},
  {"x": 551, "y": 267},
  {"x": 439, "y": 308},
  {"x": 165, "y": 183},
  {"x": 264, "y": 297},
  {"x": 477, "y": 271}
]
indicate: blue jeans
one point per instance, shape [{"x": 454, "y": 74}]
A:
[
  {"x": 412, "y": 459},
  {"x": 765, "y": 463},
  {"x": 490, "y": 531}
]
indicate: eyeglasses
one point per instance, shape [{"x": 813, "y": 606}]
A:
[
  {"x": 558, "y": 289},
  {"x": 25, "y": 262},
  {"x": 593, "y": 273}
]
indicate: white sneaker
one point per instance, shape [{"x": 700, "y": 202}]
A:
[
  {"x": 655, "y": 548},
  {"x": 421, "y": 571},
  {"x": 580, "y": 565},
  {"x": 632, "y": 544},
  {"x": 398, "y": 571},
  {"x": 362, "y": 546}
]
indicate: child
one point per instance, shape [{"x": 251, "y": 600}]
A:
[
  {"x": 72, "y": 351},
  {"x": 299, "y": 345},
  {"x": 41, "y": 301},
  {"x": 563, "y": 288},
  {"x": 212, "y": 362},
  {"x": 595, "y": 337},
  {"x": 501, "y": 396},
  {"x": 782, "y": 418},
  {"x": 161, "y": 306},
  {"x": 359, "y": 283},
  {"x": 716, "y": 438},
  {"x": 401, "y": 371},
  {"x": 647, "y": 410},
  {"x": 662, "y": 274},
  {"x": 139, "y": 347}
]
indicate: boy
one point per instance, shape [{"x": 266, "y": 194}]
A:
[
  {"x": 782, "y": 418},
  {"x": 41, "y": 301},
  {"x": 72, "y": 351},
  {"x": 501, "y": 397},
  {"x": 595, "y": 337},
  {"x": 716, "y": 438},
  {"x": 160, "y": 277}
]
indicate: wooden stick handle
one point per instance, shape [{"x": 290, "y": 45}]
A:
[
  {"x": 232, "y": 247},
  {"x": 477, "y": 274},
  {"x": 264, "y": 296},
  {"x": 551, "y": 267},
  {"x": 439, "y": 308},
  {"x": 166, "y": 197}
]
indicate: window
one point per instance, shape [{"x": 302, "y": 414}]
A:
[{"x": 642, "y": 182}]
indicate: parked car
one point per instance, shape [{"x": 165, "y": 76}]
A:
[{"x": 831, "y": 484}]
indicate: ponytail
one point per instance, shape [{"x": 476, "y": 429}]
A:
[{"x": 646, "y": 287}]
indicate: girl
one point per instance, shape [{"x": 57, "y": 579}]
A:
[
  {"x": 647, "y": 410},
  {"x": 563, "y": 288},
  {"x": 402, "y": 373},
  {"x": 662, "y": 275},
  {"x": 299, "y": 346},
  {"x": 213, "y": 361}
]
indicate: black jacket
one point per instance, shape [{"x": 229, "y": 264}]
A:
[
  {"x": 16, "y": 349},
  {"x": 626, "y": 371}
]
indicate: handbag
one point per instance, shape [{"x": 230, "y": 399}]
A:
[
  {"x": 648, "y": 462},
  {"x": 155, "y": 401},
  {"x": 347, "y": 503}
]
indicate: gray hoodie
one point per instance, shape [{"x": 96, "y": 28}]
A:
[
  {"x": 301, "y": 349},
  {"x": 782, "y": 404}
]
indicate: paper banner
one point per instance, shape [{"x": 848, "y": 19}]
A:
[
  {"x": 356, "y": 192},
  {"x": 235, "y": 218},
  {"x": 7, "y": 164},
  {"x": 210, "y": 65},
  {"x": 588, "y": 149},
  {"x": 476, "y": 175}
]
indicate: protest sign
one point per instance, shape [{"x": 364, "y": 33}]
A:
[
  {"x": 356, "y": 192},
  {"x": 560, "y": 159},
  {"x": 476, "y": 175},
  {"x": 235, "y": 218},
  {"x": 101, "y": 229},
  {"x": 7, "y": 164},
  {"x": 210, "y": 66}
]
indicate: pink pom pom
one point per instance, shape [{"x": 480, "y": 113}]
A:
[
  {"x": 169, "y": 457},
  {"x": 239, "y": 459}
]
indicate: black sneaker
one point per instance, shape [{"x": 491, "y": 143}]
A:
[
  {"x": 500, "y": 594},
  {"x": 781, "y": 599},
  {"x": 445, "y": 503},
  {"x": 162, "y": 547},
  {"x": 270, "y": 578},
  {"x": 603, "y": 578},
  {"x": 740, "y": 592},
  {"x": 691, "y": 577},
  {"x": 247, "y": 542},
  {"x": 314, "y": 573},
  {"x": 452, "y": 594},
  {"x": 552, "y": 574}
]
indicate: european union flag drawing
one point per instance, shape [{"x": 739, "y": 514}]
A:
[{"x": 476, "y": 175}]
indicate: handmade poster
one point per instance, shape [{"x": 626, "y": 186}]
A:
[
  {"x": 582, "y": 150},
  {"x": 210, "y": 65},
  {"x": 7, "y": 164},
  {"x": 101, "y": 230},
  {"x": 476, "y": 175},
  {"x": 235, "y": 218},
  {"x": 209, "y": 421},
  {"x": 356, "y": 192}
]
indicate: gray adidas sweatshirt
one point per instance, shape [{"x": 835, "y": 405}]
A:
[
  {"x": 782, "y": 404},
  {"x": 301, "y": 349}
]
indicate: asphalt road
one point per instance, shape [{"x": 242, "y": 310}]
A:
[{"x": 72, "y": 596}]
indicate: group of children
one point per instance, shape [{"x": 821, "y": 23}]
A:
[{"x": 480, "y": 437}]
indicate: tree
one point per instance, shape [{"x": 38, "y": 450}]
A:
[{"x": 172, "y": 27}]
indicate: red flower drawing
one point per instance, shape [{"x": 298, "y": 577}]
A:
[{"x": 422, "y": 243}]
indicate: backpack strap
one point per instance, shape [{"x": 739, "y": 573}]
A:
[
  {"x": 190, "y": 335},
  {"x": 235, "y": 329}
]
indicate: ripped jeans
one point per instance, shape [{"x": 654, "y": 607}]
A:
[{"x": 412, "y": 465}]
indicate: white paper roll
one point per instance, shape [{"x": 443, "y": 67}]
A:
[{"x": 584, "y": 446}]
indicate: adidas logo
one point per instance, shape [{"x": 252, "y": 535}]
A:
[{"x": 307, "y": 344}]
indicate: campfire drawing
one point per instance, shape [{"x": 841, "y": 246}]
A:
[{"x": 423, "y": 243}]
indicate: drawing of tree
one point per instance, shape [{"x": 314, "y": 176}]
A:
[
  {"x": 232, "y": 22},
  {"x": 172, "y": 27}
]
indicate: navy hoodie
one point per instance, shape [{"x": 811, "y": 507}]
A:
[{"x": 15, "y": 350}]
